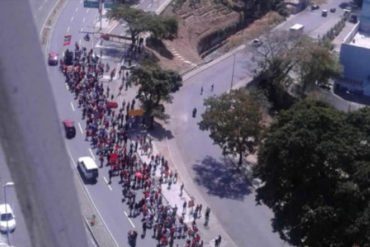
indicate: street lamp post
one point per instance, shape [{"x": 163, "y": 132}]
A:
[
  {"x": 232, "y": 75},
  {"x": 8, "y": 184}
]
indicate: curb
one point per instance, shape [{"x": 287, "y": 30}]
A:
[
  {"x": 46, "y": 30},
  {"x": 203, "y": 66},
  {"x": 90, "y": 230}
]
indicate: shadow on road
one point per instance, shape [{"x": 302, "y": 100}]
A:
[
  {"x": 160, "y": 133},
  {"x": 221, "y": 179}
]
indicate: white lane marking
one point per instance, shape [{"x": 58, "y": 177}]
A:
[
  {"x": 76, "y": 9},
  {"x": 83, "y": 20},
  {"x": 79, "y": 126},
  {"x": 92, "y": 201},
  {"x": 125, "y": 213},
  {"x": 70, "y": 156},
  {"x": 72, "y": 18},
  {"x": 87, "y": 10},
  {"x": 106, "y": 181},
  {"x": 132, "y": 223},
  {"x": 42, "y": 5},
  {"x": 68, "y": 28},
  {"x": 82, "y": 29},
  {"x": 72, "y": 106},
  {"x": 92, "y": 153}
]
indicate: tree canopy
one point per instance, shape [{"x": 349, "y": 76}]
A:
[
  {"x": 295, "y": 64},
  {"x": 234, "y": 122},
  {"x": 140, "y": 21},
  {"x": 315, "y": 171},
  {"x": 155, "y": 86}
]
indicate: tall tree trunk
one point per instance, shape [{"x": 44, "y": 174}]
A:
[{"x": 240, "y": 159}]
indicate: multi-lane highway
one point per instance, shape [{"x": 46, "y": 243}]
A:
[
  {"x": 106, "y": 198},
  {"x": 231, "y": 200}
]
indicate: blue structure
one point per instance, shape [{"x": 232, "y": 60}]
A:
[
  {"x": 355, "y": 55},
  {"x": 365, "y": 17}
]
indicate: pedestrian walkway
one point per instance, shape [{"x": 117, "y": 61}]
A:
[{"x": 172, "y": 194}]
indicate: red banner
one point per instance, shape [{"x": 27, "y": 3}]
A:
[{"x": 67, "y": 40}]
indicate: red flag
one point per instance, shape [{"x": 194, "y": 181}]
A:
[{"x": 67, "y": 40}]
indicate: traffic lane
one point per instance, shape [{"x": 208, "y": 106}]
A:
[
  {"x": 72, "y": 19},
  {"x": 313, "y": 19},
  {"x": 106, "y": 198},
  {"x": 40, "y": 11},
  {"x": 20, "y": 236},
  {"x": 258, "y": 230}
]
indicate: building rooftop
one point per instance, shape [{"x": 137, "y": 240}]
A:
[{"x": 361, "y": 40}]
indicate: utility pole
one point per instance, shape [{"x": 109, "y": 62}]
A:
[
  {"x": 6, "y": 209},
  {"x": 232, "y": 75},
  {"x": 101, "y": 14}
]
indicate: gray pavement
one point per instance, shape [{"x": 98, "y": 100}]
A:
[
  {"x": 193, "y": 153},
  {"x": 40, "y": 10},
  {"x": 30, "y": 135},
  {"x": 231, "y": 200},
  {"x": 20, "y": 236},
  {"x": 110, "y": 213}
]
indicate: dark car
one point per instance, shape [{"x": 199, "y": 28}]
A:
[
  {"x": 53, "y": 58},
  {"x": 314, "y": 6},
  {"x": 333, "y": 10},
  {"x": 69, "y": 127}
]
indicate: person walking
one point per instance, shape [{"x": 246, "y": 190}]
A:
[
  {"x": 194, "y": 112},
  {"x": 110, "y": 174},
  {"x": 218, "y": 241},
  {"x": 212, "y": 87},
  {"x": 201, "y": 90},
  {"x": 207, "y": 213},
  {"x": 181, "y": 189},
  {"x": 144, "y": 226}
]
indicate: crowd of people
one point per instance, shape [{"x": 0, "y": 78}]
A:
[{"x": 110, "y": 130}]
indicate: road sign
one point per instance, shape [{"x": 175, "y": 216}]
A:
[
  {"x": 109, "y": 4},
  {"x": 134, "y": 113},
  {"x": 91, "y": 4}
]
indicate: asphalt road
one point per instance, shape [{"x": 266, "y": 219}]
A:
[
  {"x": 232, "y": 200},
  {"x": 40, "y": 10},
  {"x": 20, "y": 236},
  {"x": 107, "y": 198}
]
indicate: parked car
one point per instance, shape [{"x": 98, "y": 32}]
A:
[
  {"x": 53, "y": 58},
  {"x": 332, "y": 10},
  {"x": 256, "y": 43},
  {"x": 314, "y": 6},
  {"x": 324, "y": 13},
  {"x": 69, "y": 127},
  {"x": 7, "y": 218}
]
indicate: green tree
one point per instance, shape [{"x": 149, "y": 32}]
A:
[
  {"x": 315, "y": 172},
  {"x": 155, "y": 86},
  {"x": 317, "y": 64},
  {"x": 285, "y": 58},
  {"x": 140, "y": 21},
  {"x": 234, "y": 122}
]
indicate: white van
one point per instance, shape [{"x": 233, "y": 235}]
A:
[
  {"x": 296, "y": 29},
  {"x": 88, "y": 168}
]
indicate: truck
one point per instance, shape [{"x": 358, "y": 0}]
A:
[{"x": 296, "y": 28}]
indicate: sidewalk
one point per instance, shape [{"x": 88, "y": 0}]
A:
[{"x": 172, "y": 195}]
